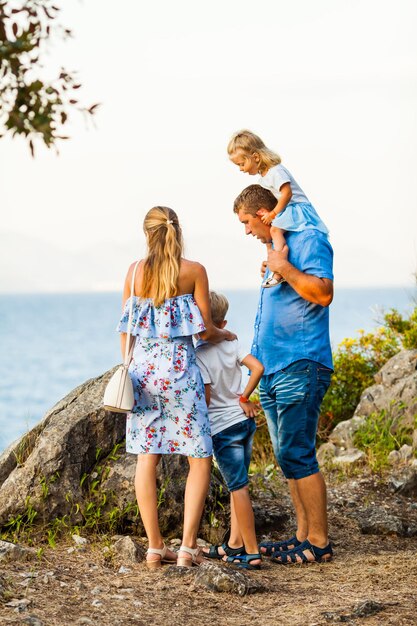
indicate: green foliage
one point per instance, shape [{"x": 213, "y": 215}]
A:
[
  {"x": 29, "y": 105},
  {"x": 356, "y": 362},
  {"x": 378, "y": 436}
]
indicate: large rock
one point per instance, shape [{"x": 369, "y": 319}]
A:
[
  {"x": 73, "y": 464},
  {"x": 395, "y": 392}
]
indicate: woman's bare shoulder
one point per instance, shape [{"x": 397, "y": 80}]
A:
[{"x": 192, "y": 267}]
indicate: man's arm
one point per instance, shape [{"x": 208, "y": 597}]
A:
[{"x": 311, "y": 288}]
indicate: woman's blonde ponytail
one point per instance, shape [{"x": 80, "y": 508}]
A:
[{"x": 165, "y": 248}]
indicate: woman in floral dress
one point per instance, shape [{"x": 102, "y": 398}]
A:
[{"x": 170, "y": 304}]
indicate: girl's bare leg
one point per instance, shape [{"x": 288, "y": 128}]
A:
[
  {"x": 244, "y": 513},
  {"x": 198, "y": 481},
  {"x": 277, "y": 235},
  {"x": 146, "y": 495}
]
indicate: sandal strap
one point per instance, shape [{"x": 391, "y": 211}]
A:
[
  {"x": 233, "y": 551},
  {"x": 194, "y": 552},
  {"x": 243, "y": 558},
  {"x": 161, "y": 552}
]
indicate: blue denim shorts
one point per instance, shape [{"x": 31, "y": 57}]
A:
[
  {"x": 291, "y": 400},
  {"x": 232, "y": 449}
]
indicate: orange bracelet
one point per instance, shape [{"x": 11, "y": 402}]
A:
[{"x": 243, "y": 399}]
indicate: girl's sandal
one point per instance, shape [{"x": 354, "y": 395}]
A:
[
  {"x": 194, "y": 556},
  {"x": 163, "y": 558}
]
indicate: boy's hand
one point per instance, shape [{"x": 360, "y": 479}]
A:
[
  {"x": 268, "y": 217},
  {"x": 250, "y": 409}
]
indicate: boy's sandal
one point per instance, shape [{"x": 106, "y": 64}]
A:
[
  {"x": 194, "y": 556},
  {"x": 213, "y": 552},
  {"x": 321, "y": 555},
  {"x": 162, "y": 557},
  {"x": 278, "y": 546},
  {"x": 244, "y": 561}
]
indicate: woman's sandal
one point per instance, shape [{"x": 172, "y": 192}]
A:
[
  {"x": 195, "y": 556},
  {"x": 321, "y": 555},
  {"x": 279, "y": 546},
  {"x": 228, "y": 551},
  {"x": 155, "y": 563},
  {"x": 244, "y": 561}
]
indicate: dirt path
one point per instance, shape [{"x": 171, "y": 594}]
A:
[{"x": 83, "y": 587}]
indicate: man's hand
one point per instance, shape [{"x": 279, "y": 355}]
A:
[
  {"x": 277, "y": 258},
  {"x": 250, "y": 409}
]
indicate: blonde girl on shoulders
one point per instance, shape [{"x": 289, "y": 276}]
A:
[{"x": 293, "y": 211}]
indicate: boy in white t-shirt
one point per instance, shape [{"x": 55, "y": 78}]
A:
[{"x": 233, "y": 426}]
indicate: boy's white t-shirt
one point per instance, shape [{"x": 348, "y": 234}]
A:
[{"x": 220, "y": 366}]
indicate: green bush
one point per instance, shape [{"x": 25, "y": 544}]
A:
[{"x": 356, "y": 361}]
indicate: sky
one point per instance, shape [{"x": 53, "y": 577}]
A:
[{"x": 330, "y": 85}]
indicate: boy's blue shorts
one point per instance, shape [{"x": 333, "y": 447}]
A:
[{"x": 232, "y": 448}]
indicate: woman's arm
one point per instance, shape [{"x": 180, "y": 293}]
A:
[
  {"x": 285, "y": 197},
  {"x": 126, "y": 294},
  {"x": 202, "y": 298}
]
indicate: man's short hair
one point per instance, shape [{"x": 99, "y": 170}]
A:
[
  {"x": 254, "y": 198},
  {"x": 219, "y": 306}
]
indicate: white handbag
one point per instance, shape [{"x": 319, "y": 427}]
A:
[{"x": 118, "y": 395}]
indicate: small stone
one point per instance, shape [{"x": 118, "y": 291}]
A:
[
  {"x": 13, "y": 552},
  {"x": 118, "y": 597},
  {"x": 97, "y": 590},
  {"x": 85, "y": 620},
  {"x": 128, "y": 550},
  {"x": 394, "y": 457},
  {"x": 71, "y": 550},
  {"x": 62, "y": 584},
  {"x": 406, "y": 452},
  {"x": 137, "y": 603},
  {"x": 96, "y": 603},
  {"x": 19, "y": 604},
  {"x": 124, "y": 570},
  {"x": 79, "y": 585},
  {"x": 176, "y": 542},
  {"x": 376, "y": 521},
  {"x": 351, "y": 458},
  {"x": 80, "y": 541},
  {"x": 224, "y": 579},
  {"x": 33, "y": 620}
]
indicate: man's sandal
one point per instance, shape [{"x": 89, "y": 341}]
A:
[
  {"x": 194, "y": 556},
  {"x": 213, "y": 552},
  {"x": 296, "y": 556},
  {"x": 163, "y": 558},
  {"x": 244, "y": 561},
  {"x": 278, "y": 546}
]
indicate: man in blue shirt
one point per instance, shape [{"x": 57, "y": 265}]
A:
[{"x": 292, "y": 341}]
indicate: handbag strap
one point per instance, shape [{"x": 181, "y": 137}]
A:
[{"x": 128, "y": 347}]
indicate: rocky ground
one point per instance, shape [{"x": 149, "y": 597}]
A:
[{"x": 372, "y": 579}]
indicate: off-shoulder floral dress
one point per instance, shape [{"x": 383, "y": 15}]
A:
[{"x": 170, "y": 413}]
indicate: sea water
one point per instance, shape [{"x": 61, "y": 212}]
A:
[{"x": 50, "y": 343}]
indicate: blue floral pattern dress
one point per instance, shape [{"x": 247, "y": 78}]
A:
[{"x": 170, "y": 413}]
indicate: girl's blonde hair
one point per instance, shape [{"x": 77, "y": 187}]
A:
[
  {"x": 165, "y": 247},
  {"x": 250, "y": 143}
]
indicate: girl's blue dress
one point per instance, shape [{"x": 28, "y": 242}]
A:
[{"x": 170, "y": 413}]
